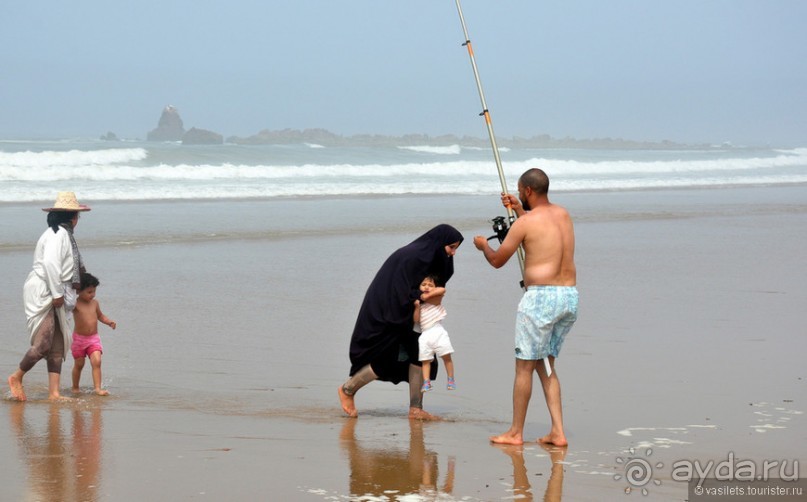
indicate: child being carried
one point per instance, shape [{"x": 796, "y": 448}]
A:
[{"x": 433, "y": 338}]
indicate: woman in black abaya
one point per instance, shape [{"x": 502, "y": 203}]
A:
[{"x": 383, "y": 346}]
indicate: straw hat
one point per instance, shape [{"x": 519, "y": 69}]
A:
[{"x": 66, "y": 201}]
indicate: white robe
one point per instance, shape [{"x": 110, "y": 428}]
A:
[{"x": 49, "y": 279}]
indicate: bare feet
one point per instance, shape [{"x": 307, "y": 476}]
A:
[
  {"x": 75, "y": 390},
  {"x": 507, "y": 438},
  {"x": 58, "y": 398},
  {"x": 101, "y": 392},
  {"x": 15, "y": 384},
  {"x": 555, "y": 439},
  {"x": 419, "y": 414},
  {"x": 348, "y": 405}
]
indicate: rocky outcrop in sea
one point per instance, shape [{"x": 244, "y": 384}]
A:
[
  {"x": 169, "y": 128},
  {"x": 202, "y": 137}
]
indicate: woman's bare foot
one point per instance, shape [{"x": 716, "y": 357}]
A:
[
  {"x": 507, "y": 438},
  {"x": 555, "y": 439},
  {"x": 101, "y": 392},
  {"x": 348, "y": 404},
  {"x": 419, "y": 414},
  {"x": 15, "y": 385},
  {"x": 75, "y": 390}
]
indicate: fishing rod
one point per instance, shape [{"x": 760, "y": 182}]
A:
[{"x": 499, "y": 225}]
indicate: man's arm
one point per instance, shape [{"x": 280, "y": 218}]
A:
[{"x": 500, "y": 256}]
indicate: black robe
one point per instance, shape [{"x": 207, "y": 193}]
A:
[{"x": 383, "y": 335}]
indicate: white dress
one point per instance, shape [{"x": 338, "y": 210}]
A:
[{"x": 50, "y": 278}]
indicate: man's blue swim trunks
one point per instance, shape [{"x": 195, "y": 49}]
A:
[{"x": 545, "y": 314}]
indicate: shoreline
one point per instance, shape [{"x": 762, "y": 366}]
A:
[{"x": 248, "y": 219}]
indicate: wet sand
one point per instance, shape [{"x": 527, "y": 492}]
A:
[{"x": 233, "y": 327}]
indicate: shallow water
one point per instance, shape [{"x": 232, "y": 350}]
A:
[{"x": 229, "y": 349}]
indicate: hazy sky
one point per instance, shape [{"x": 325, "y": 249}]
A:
[{"x": 683, "y": 70}]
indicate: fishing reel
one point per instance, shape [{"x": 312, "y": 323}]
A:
[{"x": 500, "y": 227}]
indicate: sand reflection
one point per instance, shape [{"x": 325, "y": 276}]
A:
[
  {"x": 384, "y": 472},
  {"x": 63, "y": 457},
  {"x": 522, "y": 490}
]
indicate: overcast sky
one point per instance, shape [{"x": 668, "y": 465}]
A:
[{"x": 684, "y": 70}]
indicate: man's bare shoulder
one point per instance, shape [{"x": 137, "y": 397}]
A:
[
  {"x": 557, "y": 213},
  {"x": 558, "y": 208},
  {"x": 544, "y": 212}
]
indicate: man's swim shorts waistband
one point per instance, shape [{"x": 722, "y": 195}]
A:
[{"x": 549, "y": 287}]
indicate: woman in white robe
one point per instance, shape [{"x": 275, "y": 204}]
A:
[{"x": 49, "y": 295}]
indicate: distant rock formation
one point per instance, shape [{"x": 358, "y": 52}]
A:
[
  {"x": 202, "y": 137},
  {"x": 169, "y": 128},
  {"x": 288, "y": 137},
  {"x": 324, "y": 137},
  {"x": 109, "y": 136}
]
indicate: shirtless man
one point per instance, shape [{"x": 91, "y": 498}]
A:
[{"x": 549, "y": 306}]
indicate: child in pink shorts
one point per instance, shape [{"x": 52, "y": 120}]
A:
[{"x": 86, "y": 342}]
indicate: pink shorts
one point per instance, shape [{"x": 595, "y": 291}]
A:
[{"x": 84, "y": 345}]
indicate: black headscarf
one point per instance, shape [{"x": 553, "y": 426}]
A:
[{"x": 385, "y": 318}]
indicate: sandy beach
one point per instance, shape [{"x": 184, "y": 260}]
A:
[{"x": 234, "y": 319}]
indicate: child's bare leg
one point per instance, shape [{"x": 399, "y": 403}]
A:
[
  {"x": 95, "y": 361},
  {"x": 78, "y": 366},
  {"x": 449, "y": 365},
  {"x": 427, "y": 370}
]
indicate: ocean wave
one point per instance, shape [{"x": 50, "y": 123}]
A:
[
  {"x": 144, "y": 190},
  {"x": 110, "y": 165},
  {"x": 793, "y": 158},
  {"x": 134, "y": 174},
  {"x": 70, "y": 158},
  {"x": 131, "y": 163},
  {"x": 485, "y": 148},
  {"x": 439, "y": 150}
]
